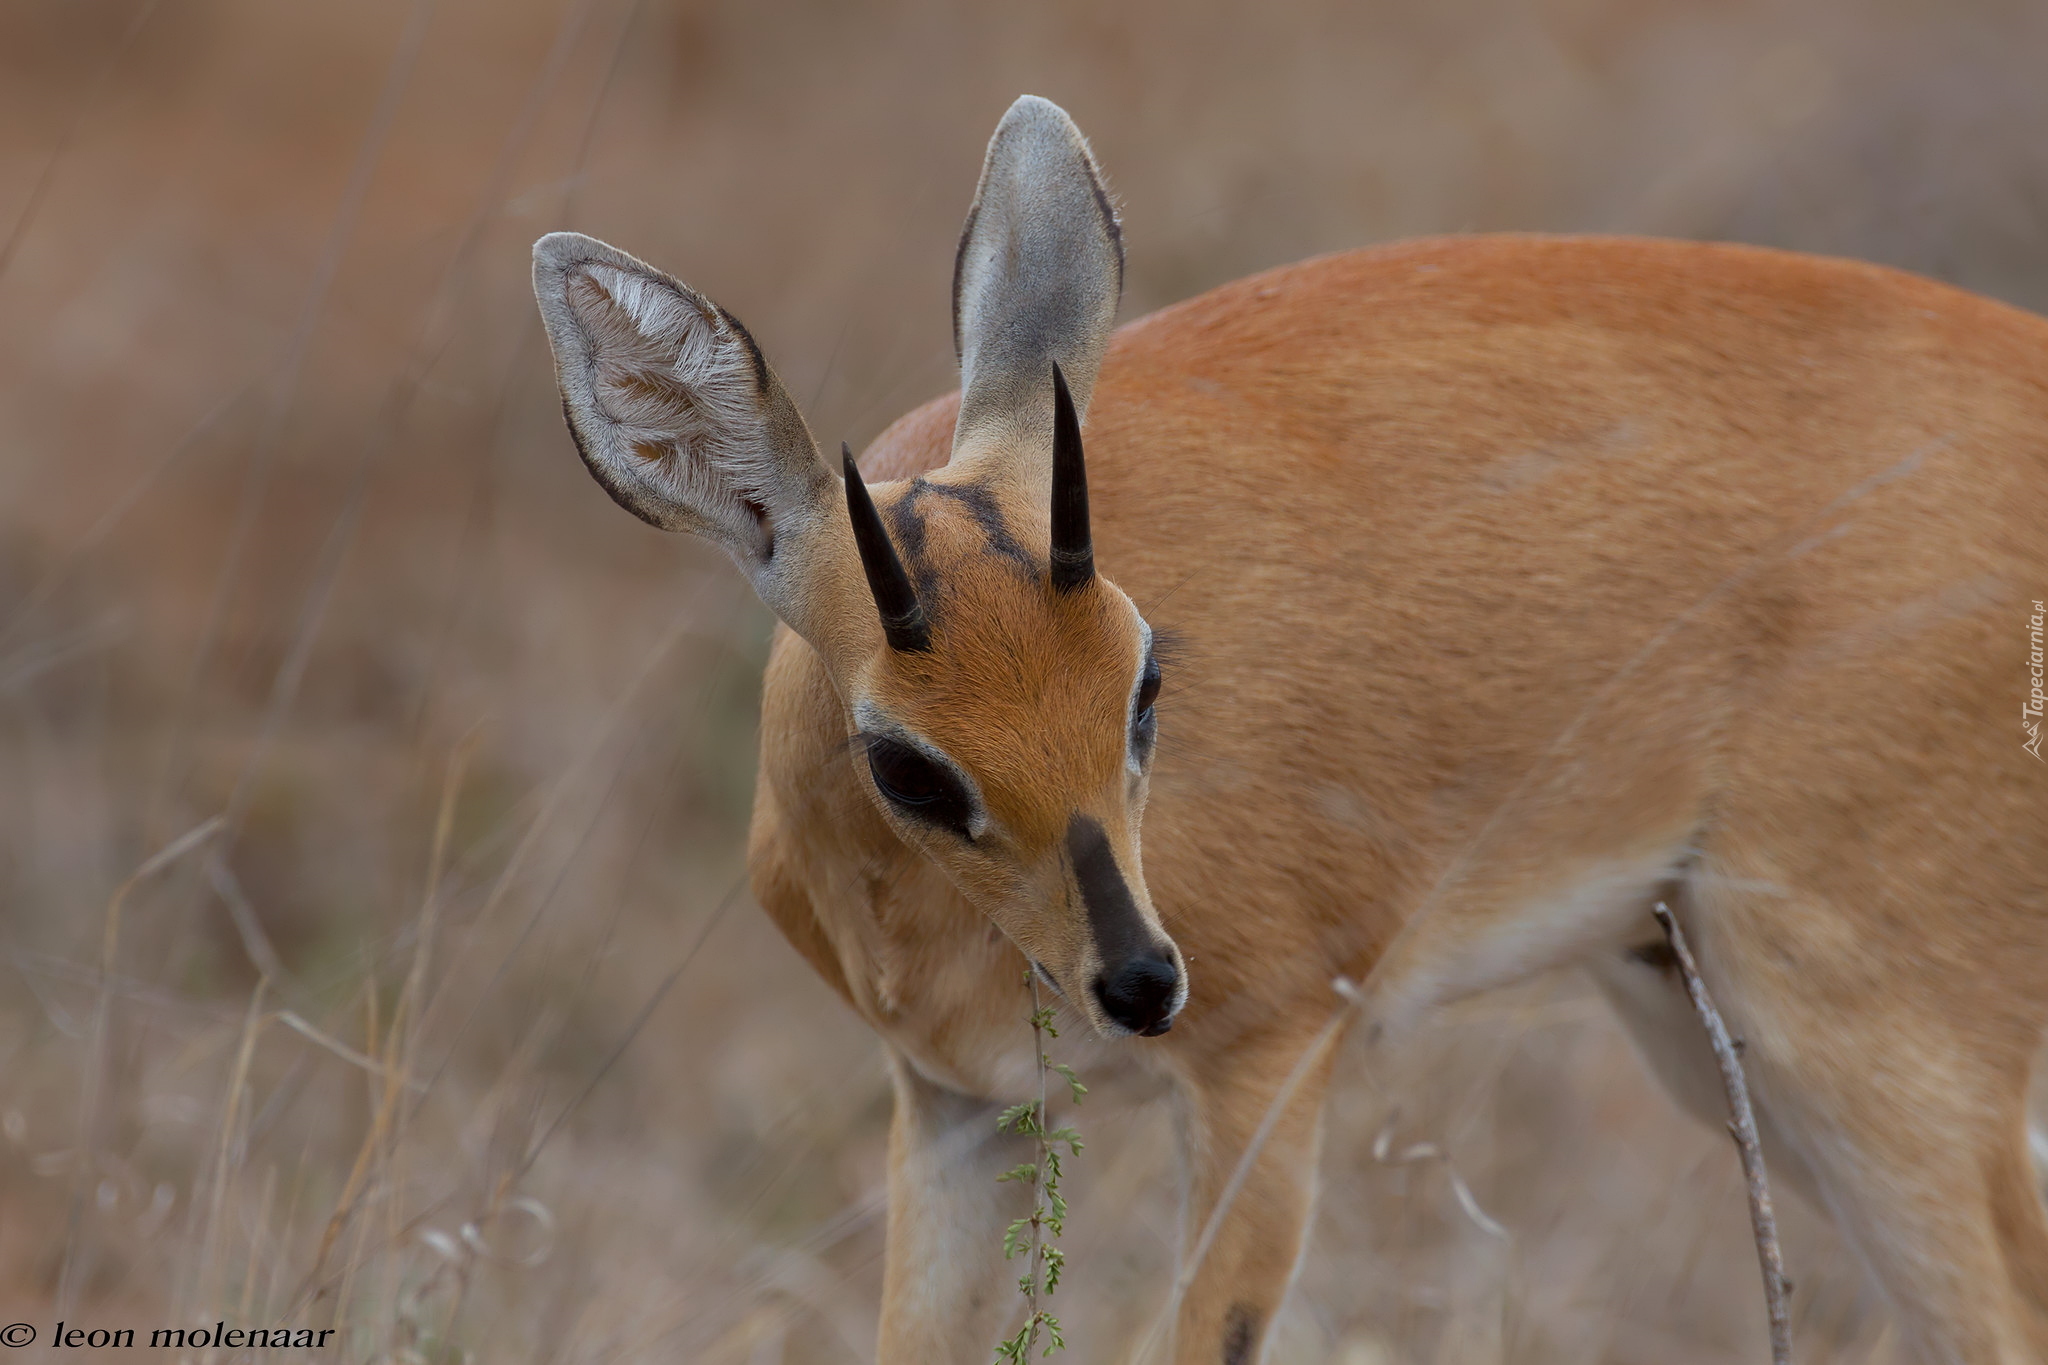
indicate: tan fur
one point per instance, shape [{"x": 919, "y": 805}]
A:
[
  {"x": 1503, "y": 560},
  {"x": 1515, "y": 582}
]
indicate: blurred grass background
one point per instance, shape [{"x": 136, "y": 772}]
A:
[{"x": 301, "y": 581}]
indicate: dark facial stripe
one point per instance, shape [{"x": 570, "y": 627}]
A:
[
  {"x": 907, "y": 528},
  {"x": 981, "y": 504},
  {"x": 1120, "y": 933}
]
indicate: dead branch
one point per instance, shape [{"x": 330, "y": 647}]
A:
[{"x": 1763, "y": 1221}]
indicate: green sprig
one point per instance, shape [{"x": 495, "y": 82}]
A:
[{"x": 1031, "y": 1234}]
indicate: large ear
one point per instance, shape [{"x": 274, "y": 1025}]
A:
[
  {"x": 678, "y": 415},
  {"x": 1037, "y": 278}
]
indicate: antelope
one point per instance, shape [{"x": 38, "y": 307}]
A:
[{"x": 1522, "y": 581}]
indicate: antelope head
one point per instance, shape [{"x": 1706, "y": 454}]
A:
[{"x": 997, "y": 690}]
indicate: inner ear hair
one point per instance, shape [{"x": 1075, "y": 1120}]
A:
[
  {"x": 672, "y": 405},
  {"x": 681, "y": 418}
]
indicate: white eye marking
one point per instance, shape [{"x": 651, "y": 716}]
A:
[{"x": 1134, "y": 760}]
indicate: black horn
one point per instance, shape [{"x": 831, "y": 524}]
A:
[
  {"x": 1073, "y": 548},
  {"x": 902, "y": 615}
]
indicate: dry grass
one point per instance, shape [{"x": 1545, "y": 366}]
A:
[{"x": 447, "y": 1024}]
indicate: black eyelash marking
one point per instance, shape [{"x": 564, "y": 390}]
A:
[{"x": 917, "y": 787}]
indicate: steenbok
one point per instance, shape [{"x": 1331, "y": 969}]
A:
[{"x": 1528, "y": 580}]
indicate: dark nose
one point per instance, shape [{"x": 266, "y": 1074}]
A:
[{"x": 1139, "y": 994}]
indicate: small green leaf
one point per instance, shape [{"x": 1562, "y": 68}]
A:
[
  {"x": 1021, "y": 1119},
  {"x": 1052, "y": 1331}
]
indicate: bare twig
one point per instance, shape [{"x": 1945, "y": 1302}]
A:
[{"x": 1743, "y": 1128}]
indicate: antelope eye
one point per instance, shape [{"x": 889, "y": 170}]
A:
[
  {"x": 1144, "y": 722},
  {"x": 916, "y": 786}
]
